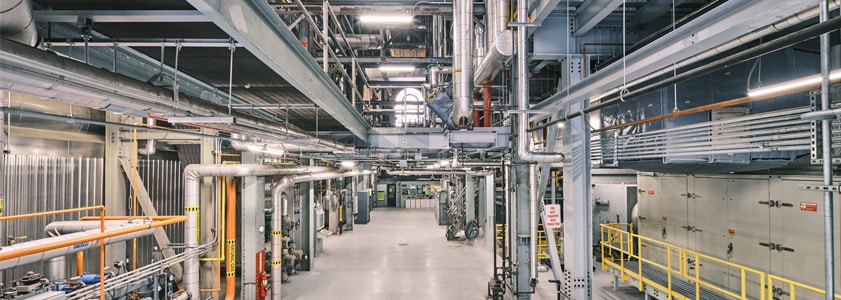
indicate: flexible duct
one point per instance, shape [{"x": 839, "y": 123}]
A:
[
  {"x": 45, "y": 255},
  {"x": 16, "y": 22},
  {"x": 524, "y": 152},
  {"x": 192, "y": 193},
  {"x": 360, "y": 41},
  {"x": 32, "y": 71},
  {"x": 150, "y": 148},
  {"x": 462, "y": 114},
  {"x": 277, "y": 220}
]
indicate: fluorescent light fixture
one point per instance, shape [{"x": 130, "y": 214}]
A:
[
  {"x": 385, "y": 19},
  {"x": 793, "y": 84},
  {"x": 396, "y": 68},
  {"x": 347, "y": 164}
]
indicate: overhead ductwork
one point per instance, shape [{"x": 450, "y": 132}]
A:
[
  {"x": 40, "y": 73},
  {"x": 17, "y": 23},
  {"x": 192, "y": 193},
  {"x": 361, "y": 41},
  {"x": 462, "y": 114},
  {"x": 500, "y": 42}
]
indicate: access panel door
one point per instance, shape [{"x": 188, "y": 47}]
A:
[
  {"x": 707, "y": 227},
  {"x": 747, "y": 225}
]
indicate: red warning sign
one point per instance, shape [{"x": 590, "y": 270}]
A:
[
  {"x": 552, "y": 216},
  {"x": 808, "y": 206}
]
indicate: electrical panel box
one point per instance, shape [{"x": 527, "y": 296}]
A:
[
  {"x": 319, "y": 217},
  {"x": 362, "y": 213}
]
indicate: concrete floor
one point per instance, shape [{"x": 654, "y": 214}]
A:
[{"x": 403, "y": 254}]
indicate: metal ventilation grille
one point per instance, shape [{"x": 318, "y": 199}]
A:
[
  {"x": 775, "y": 132},
  {"x": 164, "y": 181},
  {"x": 39, "y": 183}
]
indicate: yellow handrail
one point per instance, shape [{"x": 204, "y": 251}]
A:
[{"x": 615, "y": 238}]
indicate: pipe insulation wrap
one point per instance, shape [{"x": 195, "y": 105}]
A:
[
  {"x": 192, "y": 191},
  {"x": 43, "y": 256},
  {"x": 463, "y": 63},
  {"x": 360, "y": 41},
  {"x": 17, "y": 23}
]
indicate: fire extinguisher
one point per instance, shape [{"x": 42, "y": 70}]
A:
[{"x": 262, "y": 277}]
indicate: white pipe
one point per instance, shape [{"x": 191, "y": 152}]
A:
[
  {"x": 57, "y": 267},
  {"x": 16, "y": 22},
  {"x": 533, "y": 222},
  {"x": 438, "y": 172},
  {"x": 435, "y": 73},
  {"x": 43, "y": 256},
  {"x": 273, "y": 147},
  {"x": 192, "y": 192},
  {"x": 524, "y": 152},
  {"x": 150, "y": 148},
  {"x": 68, "y": 227},
  {"x": 462, "y": 114},
  {"x": 277, "y": 220}
]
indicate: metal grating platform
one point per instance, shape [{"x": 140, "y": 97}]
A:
[{"x": 679, "y": 285}]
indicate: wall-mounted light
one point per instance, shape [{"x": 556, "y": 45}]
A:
[
  {"x": 385, "y": 18},
  {"x": 396, "y": 68},
  {"x": 793, "y": 84}
]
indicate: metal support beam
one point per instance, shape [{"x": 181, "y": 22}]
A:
[
  {"x": 120, "y": 16},
  {"x": 115, "y": 185},
  {"x": 149, "y": 209},
  {"x": 592, "y": 12},
  {"x": 256, "y": 26},
  {"x": 576, "y": 209},
  {"x": 723, "y": 24}
]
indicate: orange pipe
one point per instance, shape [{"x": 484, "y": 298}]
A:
[
  {"x": 134, "y": 205},
  {"x": 80, "y": 263},
  {"x": 486, "y": 96},
  {"x": 230, "y": 239},
  {"x": 119, "y": 218},
  {"x": 99, "y": 236},
  {"x": 54, "y": 212},
  {"x": 476, "y": 121}
]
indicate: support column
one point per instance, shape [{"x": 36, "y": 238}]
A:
[
  {"x": 577, "y": 284},
  {"x": 308, "y": 233},
  {"x": 469, "y": 199},
  {"x": 207, "y": 219},
  {"x": 116, "y": 191},
  {"x": 253, "y": 221},
  {"x": 523, "y": 257}
]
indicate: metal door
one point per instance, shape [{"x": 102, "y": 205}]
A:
[
  {"x": 707, "y": 226},
  {"x": 748, "y": 217},
  {"x": 650, "y": 223},
  {"x": 675, "y": 213}
]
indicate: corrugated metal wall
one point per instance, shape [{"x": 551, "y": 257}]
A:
[
  {"x": 39, "y": 183},
  {"x": 164, "y": 182}
]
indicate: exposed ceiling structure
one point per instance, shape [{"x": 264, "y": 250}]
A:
[{"x": 265, "y": 61}]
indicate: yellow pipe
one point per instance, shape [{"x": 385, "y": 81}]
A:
[{"x": 99, "y": 236}]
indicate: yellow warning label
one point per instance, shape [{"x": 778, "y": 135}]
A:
[
  {"x": 232, "y": 263},
  {"x": 277, "y": 232},
  {"x": 277, "y": 262},
  {"x": 195, "y": 209}
]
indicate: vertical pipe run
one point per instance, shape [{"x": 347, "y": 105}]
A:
[
  {"x": 829, "y": 228},
  {"x": 462, "y": 63},
  {"x": 486, "y": 93},
  {"x": 533, "y": 223},
  {"x": 230, "y": 238}
]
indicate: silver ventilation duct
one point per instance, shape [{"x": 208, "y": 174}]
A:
[
  {"x": 361, "y": 41},
  {"x": 17, "y": 23},
  {"x": 463, "y": 63}
]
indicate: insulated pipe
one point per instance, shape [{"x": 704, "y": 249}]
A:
[
  {"x": 36, "y": 72},
  {"x": 462, "y": 114},
  {"x": 361, "y": 41},
  {"x": 150, "y": 148},
  {"x": 533, "y": 222},
  {"x": 16, "y": 22},
  {"x": 31, "y": 252},
  {"x": 57, "y": 267},
  {"x": 523, "y": 144},
  {"x": 498, "y": 52},
  {"x": 231, "y": 239},
  {"x": 66, "y": 227},
  {"x": 250, "y": 146},
  {"x": 192, "y": 185},
  {"x": 438, "y": 172},
  {"x": 277, "y": 220},
  {"x": 435, "y": 74},
  {"x": 826, "y": 136}
]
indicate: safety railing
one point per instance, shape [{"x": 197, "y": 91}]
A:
[
  {"x": 794, "y": 288},
  {"x": 543, "y": 246},
  {"x": 625, "y": 246},
  {"x": 620, "y": 248}
]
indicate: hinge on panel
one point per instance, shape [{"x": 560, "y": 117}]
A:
[
  {"x": 690, "y": 195},
  {"x": 774, "y": 246},
  {"x": 691, "y": 228},
  {"x": 775, "y": 203}
]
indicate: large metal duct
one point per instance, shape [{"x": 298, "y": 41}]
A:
[
  {"x": 192, "y": 186},
  {"x": 500, "y": 41},
  {"x": 361, "y": 41},
  {"x": 32, "y": 71},
  {"x": 32, "y": 103},
  {"x": 43, "y": 256},
  {"x": 277, "y": 220},
  {"x": 463, "y": 63},
  {"x": 16, "y": 22}
]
